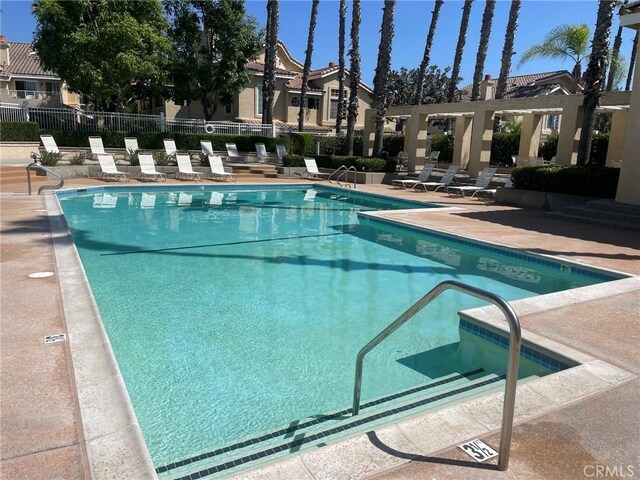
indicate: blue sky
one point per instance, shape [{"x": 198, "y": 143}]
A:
[{"x": 537, "y": 18}]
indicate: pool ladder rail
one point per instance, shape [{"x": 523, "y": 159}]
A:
[
  {"x": 36, "y": 165},
  {"x": 343, "y": 171},
  {"x": 515, "y": 340}
]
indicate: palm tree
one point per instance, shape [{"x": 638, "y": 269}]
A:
[
  {"x": 307, "y": 64},
  {"x": 632, "y": 61},
  {"x": 594, "y": 77},
  {"x": 485, "y": 32},
  {"x": 507, "y": 50},
  {"x": 354, "y": 78},
  {"x": 269, "y": 80},
  {"x": 341, "y": 32},
  {"x": 457, "y": 61},
  {"x": 382, "y": 71},
  {"x": 563, "y": 42},
  {"x": 417, "y": 99},
  {"x": 615, "y": 56}
]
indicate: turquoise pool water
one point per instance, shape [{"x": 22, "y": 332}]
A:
[{"x": 237, "y": 312}]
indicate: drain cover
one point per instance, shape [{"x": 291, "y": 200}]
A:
[
  {"x": 41, "y": 275},
  {"x": 57, "y": 338}
]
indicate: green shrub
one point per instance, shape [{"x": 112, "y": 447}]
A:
[
  {"x": 50, "y": 159},
  {"x": 332, "y": 162},
  {"x": 549, "y": 147},
  {"x": 444, "y": 145},
  {"x": 132, "y": 158},
  {"x": 599, "y": 147},
  {"x": 590, "y": 181},
  {"x": 293, "y": 161},
  {"x": 19, "y": 132},
  {"x": 161, "y": 158},
  {"x": 393, "y": 144},
  {"x": 299, "y": 143},
  {"x": 503, "y": 146},
  {"x": 78, "y": 159}
]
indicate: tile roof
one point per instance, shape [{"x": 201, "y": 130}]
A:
[
  {"x": 259, "y": 67},
  {"x": 24, "y": 61},
  {"x": 296, "y": 84},
  {"x": 525, "y": 85}
]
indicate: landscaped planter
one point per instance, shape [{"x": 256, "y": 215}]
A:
[{"x": 538, "y": 200}]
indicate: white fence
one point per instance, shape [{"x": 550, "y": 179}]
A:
[{"x": 85, "y": 121}]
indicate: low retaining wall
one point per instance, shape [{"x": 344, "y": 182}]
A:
[
  {"x": 17, "y": 153},
  {"x": 538, "y": 200}
]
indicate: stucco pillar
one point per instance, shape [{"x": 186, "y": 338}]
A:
[
  {"x": 629, "y": 182},
  {"x": 530, "y": 135},
  {"x": 369, "y": 132},
  {"x": 569, "y": 135},
  {"x": 415, "y": 140},
  {"x": 462, "y": 141},
  {"x": 617, "y": 136},
  {"x": 481, "y": 136}
]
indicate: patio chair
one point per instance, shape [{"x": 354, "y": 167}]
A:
[
  {"x": 49, "y": 144},
  {"x": 482, "y": 182},
  {"x": 185, "y": 170},
  {"x": 232, "y": 153},
  {"x": 206, "y": 147},
  {"x": 312, "y": 171},
  {"x": 433, "y": 157},
  {"x": 108, "y": 169},
  {"x": 148, "y": 168},
  {"x": 447, "y": 178},
  {"x": 261, "y": 152},
  {"x": 217, "y": 169},
  {"x": 411, "y": 182},
  {"x": 536, "y": 161},
  {"x": 491, "y": 192},
  {"x": 131, "y": 145},
  {"x": 170, "y": 148},
  {"x": 281, "y": 150}
]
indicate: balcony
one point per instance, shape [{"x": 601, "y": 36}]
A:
[{"x": 35, "y": 98}]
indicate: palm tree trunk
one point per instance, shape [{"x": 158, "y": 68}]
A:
[
  {"x": 615, "y": 51},
  {"x": 382, "y": 72},
  {"x": 457, "y": 61},
  {"x": 507, "y": 50},
  {"x": 341, "y": 34},
  {"x": 417, "y": 99},
  {"x": 269, "y": 80},
  {"x": 354, "y": 77},
  {"x": 307, "y": 64},
  {"x": 485, "y": 33},
  {"x": 632, "y": 61},
  {"x": 594, "y": 77}
]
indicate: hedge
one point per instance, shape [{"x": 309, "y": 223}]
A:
[
  {"x": 444, "y": 145},
  {"x": 590, "y": 181},
  {"x": 19, "y": 132},
  {"x": 503, "y": 146},
  {"x": 599, "y": 147},
  {"x": 332, "y": 162}
]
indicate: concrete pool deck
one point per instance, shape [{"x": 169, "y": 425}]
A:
[{"x": 39, "y": 426}]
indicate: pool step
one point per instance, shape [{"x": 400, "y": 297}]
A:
[
  {"x": 603, "y": 212},
  {"x": 299, "y": 435}
]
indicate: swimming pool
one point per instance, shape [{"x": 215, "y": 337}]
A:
[{"x": 220, "y": 301}]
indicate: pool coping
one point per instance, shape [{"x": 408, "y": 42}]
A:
[{"x": 112, "y": 436}]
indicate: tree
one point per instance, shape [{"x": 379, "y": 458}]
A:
[
  {"x": 507, "y": 50},
  {"x": 427, "y": 51},
  {"x": 354, "y": 77},
  {"x": 401, "y": 86},
  {"x": 109, "y": 51},
  {"x": 615, "y": 54},
  {"x": 594, "y": 77},
  {"x": 457, "y": 61},
  {"x": 213, "y": 40},
  {"x": 632, "y": 61},
  {"x": 382, "y": 70},
  {"x": 307, "y": 64},
  {"x": 485, "y": 32},
  {"x": 563, "y": 42},
  {"x": 269, "y": 79},
  {"x": 342, "y": 20}
]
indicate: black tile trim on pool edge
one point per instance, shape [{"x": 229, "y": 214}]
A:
[
  {"x": 317, "y": 421},
  {"x": 320, "y": 435}
]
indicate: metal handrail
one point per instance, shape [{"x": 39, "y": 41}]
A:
[
  {"x": 515, "y": 336},
  {"x": 37, "y": 165},
  {"x": 345, "y": 173}
]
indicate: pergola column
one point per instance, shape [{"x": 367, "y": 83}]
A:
[
  {"x": 617, "y": 136},
  {"x": 481, "y": 136},
  {"x": 530, "y": 135},
  {"x": 369, "y": 132},
  {"x": 462, "y": 141},
  {"x": 569, "y": 135},
  {"x": 415, "y": 140}
]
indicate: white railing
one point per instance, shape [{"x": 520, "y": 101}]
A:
[
  {"x": 80, "y": 120},
  {"x": 30, "y": 94}
]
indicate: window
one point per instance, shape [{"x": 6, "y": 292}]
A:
[
  {"x": 552, "y": 122},
  {"x": 259, "y": 100},
  {"x": 26, "y": 89},
  {"x": 333, "y": 106},
  {"x": 312, "y": 103}
]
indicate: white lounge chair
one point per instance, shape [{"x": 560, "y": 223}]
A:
[
  {"x": 411, "y": 182},
  {"x": 185, "y": 170},
  {"x": 131, "y": 145},
  {"x": 281, "y": 150},
  {"x": 312, "y": 170},
  {"x": 148, "y": 168},
  {"x": 232, "y": 153},
  {"x": 206, "y": 147},
  {"x": 491, "y": 192},
  {"x": 49, "y": 144},
  {"x": 261, "y": 152},
  {"x": 482, "y": 182},
  {"x": 217, "y": 169},
  {"x": 97, "y": 147},
  {"x": 170, "y": 147},
  {"x": 108, "y": 168},
  {"x": 444, "y": 182}
]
